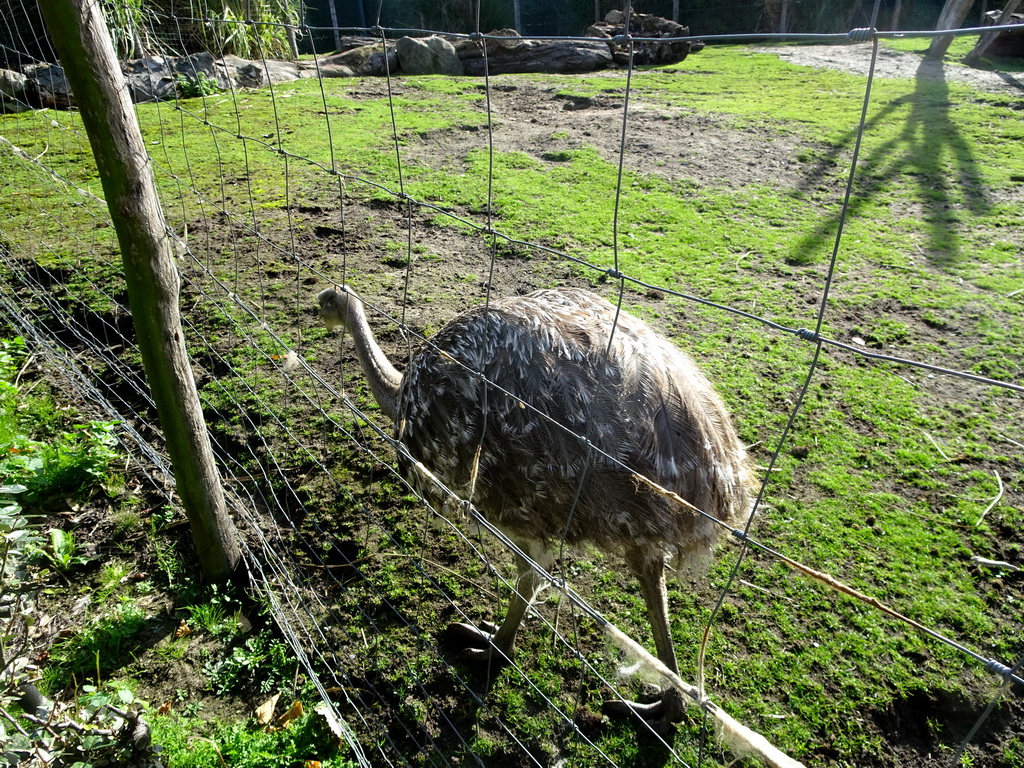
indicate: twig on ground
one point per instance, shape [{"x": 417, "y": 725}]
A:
[
  {"x": 938, "y": 448},
  {"x": 1001, "y": 564},
  {"x": 1012, "y": 442},
  {"x": 994, "y": 501}
]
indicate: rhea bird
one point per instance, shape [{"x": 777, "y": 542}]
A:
[{"x": 539, "y": 409}]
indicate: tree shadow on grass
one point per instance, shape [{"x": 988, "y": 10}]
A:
[{"x": 929, "y": 162}]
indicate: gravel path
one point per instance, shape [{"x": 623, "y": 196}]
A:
[{"x": 899, "y": 64}]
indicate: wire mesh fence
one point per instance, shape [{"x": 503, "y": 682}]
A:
[{"x": 888, "y": 443}]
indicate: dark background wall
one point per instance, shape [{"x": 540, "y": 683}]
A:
[
  {"x": 571, "y": 17},
  {"x": 22, "y": 39}
]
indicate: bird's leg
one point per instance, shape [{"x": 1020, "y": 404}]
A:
[
  {"x": 649, "y": 569},
  {"x": 482, "y": 642}
]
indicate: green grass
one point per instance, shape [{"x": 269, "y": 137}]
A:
[
  {"x": 191, "y": 742},
  {"x": 41, "y": 452},
  {"x": 895, "y": 468}
]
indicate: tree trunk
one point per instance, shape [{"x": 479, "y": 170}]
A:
[
  {"x": 953, "y": 14},
  {"x": 987, "y": 38},
  {"x": 80, "y": 36},
  {"x": 332, "y": 6}
]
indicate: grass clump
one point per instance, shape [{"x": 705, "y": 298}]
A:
[
  {"x": 36, "y": 450},
  {"x": 191, "y": 742}
]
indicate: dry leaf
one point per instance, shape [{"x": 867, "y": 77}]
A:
[
  {"x": 291, "y": 714},
  {"x": 183, "y": 630},
  {"x": 311, "y": 764},
  {"x": 265, "y": 711}
]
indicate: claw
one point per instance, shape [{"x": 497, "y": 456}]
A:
[
  {"x": 660, "y": 716},
  {"x": 474, "y": 644},
  {"x": 469, "y": 636}
]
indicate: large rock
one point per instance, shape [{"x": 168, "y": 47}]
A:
[
  {"x": 515, "y": 54},
  {"x": 13, "y": 92},
  {"x": 47, "y": 86},
  {"x": 257, "y": 74},
  {"x": 427, "y": 56},
  {"x": 364, "y": 61},
  {"x": 1010, "y": 43},
  {"x": 163, "y": 77}
]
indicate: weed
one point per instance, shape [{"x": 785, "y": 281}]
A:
[
  {"x": 171, "y": 649},
  {"x": 62, "y": 553},
  {"x": 167, "y": 558},
  {"x": 113, "y": 576},
  {"x": 215, "y": 617},
  {"x": 261, "y": 657},
  {"x": 201, "y": 85},
  {"x": 307, "y": 740},
  {"x": 126, "y": 519},
  {"x": 98, "y": 646}
]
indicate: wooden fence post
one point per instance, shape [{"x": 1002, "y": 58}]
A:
[
  {"x": 987, "y": 38},
  {"x": 953, "y": 14},
  {"x": 82, "y": 40}
]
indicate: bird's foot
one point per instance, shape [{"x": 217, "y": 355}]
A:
[
  {"x": 475, "y": 644},
  {"x": 660, "y": 716}
]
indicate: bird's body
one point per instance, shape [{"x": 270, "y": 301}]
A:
[
  {"x": 540, "y": 409},
  {"x": 549, "y": 378}
]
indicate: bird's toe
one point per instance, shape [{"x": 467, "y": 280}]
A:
[
  {"x": 660, "y": 716},
  {"x": 469, "y": 637},
  {"x": 474, "y": 645}
]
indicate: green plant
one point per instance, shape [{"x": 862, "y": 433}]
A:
[
  {"x": 214, "y": 618},
  {"x": 304, "y": 740},
  {"x": 68, "y": 462},
  {"x": 192, "y": 87},
  {"x": 126, "y": 21},
  {"x": 104, "y": 726},
  {"x": 19, "y": 540},
  {"x": 62, "y": 553},
  {"x": 126, "y": 519},
  {"x": 167, "y": 557},
  {"x": 261, "y": 657},
  {"x": 113, "y": 576},
  {"x": 99, "y": 645},
  {"x": 248, "y": 30}
]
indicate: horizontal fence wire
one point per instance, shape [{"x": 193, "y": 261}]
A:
[{"x": 331, "y": 601}]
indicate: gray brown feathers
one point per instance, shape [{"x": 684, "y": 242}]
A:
[{"x": 639, "y": 403}]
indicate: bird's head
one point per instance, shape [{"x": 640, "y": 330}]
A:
[{"x": 335, "y": 306}]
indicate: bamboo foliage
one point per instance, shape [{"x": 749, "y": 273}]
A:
[
  {"x": 127, "y": 21},
  {"x": 251, "y": 29},
  {"x": 245, "y": 28}
]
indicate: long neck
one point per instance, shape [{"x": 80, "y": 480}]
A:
[{"x": 384, "y": 379}]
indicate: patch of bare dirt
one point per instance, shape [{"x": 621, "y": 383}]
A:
[
  {"x": 897, "y": 64},
  {"x": 661, "y": 140}
]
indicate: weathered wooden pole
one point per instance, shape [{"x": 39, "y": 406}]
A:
[
  {"x": 80, "y": 36},
  {"x": 953, "y": 14},
  {"x": 987, "y": 38}
]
